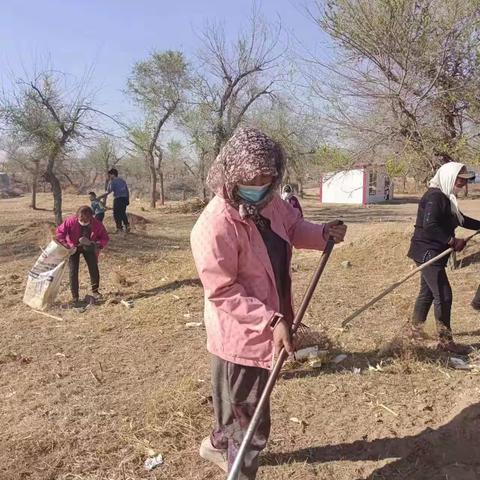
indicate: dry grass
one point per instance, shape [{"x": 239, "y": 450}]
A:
[{"x": 90, "y": 396}]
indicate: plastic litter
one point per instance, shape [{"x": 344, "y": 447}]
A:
[
  {"x": 127, "y": 303},
  {"x": 193, "y": 324},
  {"x": 307, "y": 353},
  {"x": 339, "y": 358},
  {"x": 459, "y": 364},
  {"x": 153, "y": 462}
]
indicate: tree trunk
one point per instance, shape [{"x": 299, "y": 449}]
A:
[
  {"x": 162, "y": 190},
  {"x": 300, "y": 188},
  {"x": 33, "y": 203},
  {"x": 150, "y": 161},
  {"x": 51, "y": 178},
  {"x": 203, "y": 177}
]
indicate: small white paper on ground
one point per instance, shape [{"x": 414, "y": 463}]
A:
[
  {"x": 459, "y": 364},
  {"x": 339, "y": 358},
  {"x": 153, "y": 462},
  {"x": 193, "y": 324},
  {"x": 306, "y": 353},
  {"x": 127, "y": 303},
  {"x": 316, "y": 363}
]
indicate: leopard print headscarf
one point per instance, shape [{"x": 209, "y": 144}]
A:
[{"x": 248, "y": 153}]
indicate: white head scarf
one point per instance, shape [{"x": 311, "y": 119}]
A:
[{"x": 444, "y": 179}]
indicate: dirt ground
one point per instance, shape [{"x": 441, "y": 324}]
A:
[{"x": 88, "y": 396}]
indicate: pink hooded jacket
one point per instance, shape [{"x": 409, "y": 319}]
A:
[
  {"x": 68, "y": 233},
  {"x": 241, "y": 298}
]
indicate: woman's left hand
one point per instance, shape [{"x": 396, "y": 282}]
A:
[
  {"x": 335, "y": 230},
  {"x": 85, "y": 241}
]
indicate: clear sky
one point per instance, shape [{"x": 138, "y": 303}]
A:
[{"x": 111, "y": 35}]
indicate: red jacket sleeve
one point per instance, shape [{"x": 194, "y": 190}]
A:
[{"x": 61, "y": 233}]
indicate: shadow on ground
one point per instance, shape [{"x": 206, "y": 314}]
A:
[
  {"x": 169, "y": 287},
  {"x": 451, "y": 451}
]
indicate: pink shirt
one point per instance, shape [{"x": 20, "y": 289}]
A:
[
  {"x": 68, "y": 233},
  {"x": 233, "y": 265}
]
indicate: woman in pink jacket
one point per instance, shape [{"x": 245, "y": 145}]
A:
[
  {"x": 242, "y": 246},
  {"x": 86, "y": 236}
]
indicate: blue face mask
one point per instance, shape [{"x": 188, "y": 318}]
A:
[{"x": 251, "y": 193}]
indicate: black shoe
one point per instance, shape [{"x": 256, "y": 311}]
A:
[
  {"x": 451, "y": 347},
  {"x": 475, "y": 306}
]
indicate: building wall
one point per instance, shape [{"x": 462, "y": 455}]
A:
[
  {"x": 343, "y": 187},
  {"x": 358, "y": 186}
]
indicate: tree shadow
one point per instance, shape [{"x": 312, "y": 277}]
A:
[
  {"x": 450, "y": 451},
  {"x": 169, "y": 287}
]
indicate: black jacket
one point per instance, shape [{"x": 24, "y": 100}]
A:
[{"x": 435, "y": 227}]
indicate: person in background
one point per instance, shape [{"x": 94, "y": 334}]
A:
[
  {"x": 242, "y": 247},
  {"x": 121, "y": 199},
  {"x": 288, "y": 196},
  {"x": 84, "y": 235},
  {"x": 437, "y": 218},
  {"x": 97, "y": 206}
]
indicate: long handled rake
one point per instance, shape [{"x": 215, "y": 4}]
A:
[
  {"x": 395, "y": 285},
  {"x": 252, "y": 427}
]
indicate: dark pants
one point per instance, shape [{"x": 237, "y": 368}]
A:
[
  {"x": 236, "y": 392},
  {"x": 434, "y": 288},
  {"x": 100, "y": 216},
  {"x": 92, "y": 263},
  {"x": 120, "y": 205}
]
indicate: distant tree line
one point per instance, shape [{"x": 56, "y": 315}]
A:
[{"x": 402, "y": 89}]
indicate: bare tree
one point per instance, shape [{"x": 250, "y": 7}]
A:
[
  {"x": 101, "y": 158},
  {"x": 50, "y": 114},
  {"x": 234, "y": 76},
  {"x": 300, "y": 135},
  {"x": 404, "y": 80},
  {"x": 158, "y": 86},
  {"x": 26, "y": 160},
  {"x": 197, "y": 121}
]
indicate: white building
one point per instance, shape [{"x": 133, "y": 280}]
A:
[{"x": 360, "y": 185}]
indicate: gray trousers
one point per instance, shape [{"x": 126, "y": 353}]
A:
[{"x": 236, "y": 392}]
